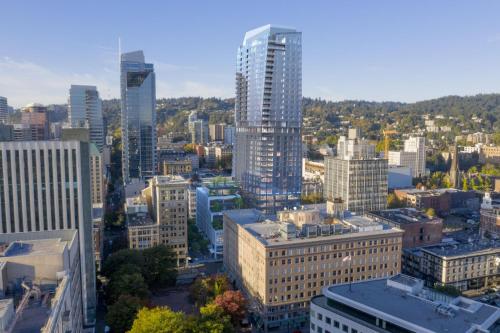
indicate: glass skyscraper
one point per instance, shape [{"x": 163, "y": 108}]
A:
[
  {"x": 138, "y": 104},
  {"x": 268, "y": 114},
  {"x": 85, "y": 110}
]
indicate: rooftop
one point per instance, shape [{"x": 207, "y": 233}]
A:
[
  {"x": 35, "y": 248},
  {"x": 404, "y": 301},
  {"x": 169, "y": 179},
  {"x": 403, "y": 216},
  {"x": 455, "y": 249}
]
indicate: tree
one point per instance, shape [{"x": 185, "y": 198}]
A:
[
  {"x": 131, "y": 284},
  {"x": 161, "y": 320},
  {"x": 465, "y": 184},
  {"x": 234, "y": 304},
  {"x": 126, "y": 256},
  {"x": 213, "y": 320},
  {"x": 121, "y": 314},
  {"x": 394, "y": 202},
  {"x": 204, "y": 290},
  {"x": 431, "y": 212},
  {"x": 159, "y": 269}
]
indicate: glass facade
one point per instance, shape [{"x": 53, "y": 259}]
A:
[
  {"x": 85, "y": 110},
  {"x": 268, "y": 115},
  {"x": 138, "y": 111}
]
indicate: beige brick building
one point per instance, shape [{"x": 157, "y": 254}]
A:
[
  {"x": 282, "y": 264},
  {"x": 177, "y": 167},
  {"x": 166, "y": 220}
]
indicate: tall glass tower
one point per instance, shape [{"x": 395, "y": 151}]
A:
[
  {"x": 268, "y": 114},
  {"x": 85, "y": 110},
  {"x": 138, "y": 104}
]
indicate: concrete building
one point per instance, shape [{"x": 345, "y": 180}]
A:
[
  {"x": 489, "y": 218},
  {"x": 41, "y": 278},
  {"x": 413, "y": 156},
  {"x": 463, "y": 265},
  {"x": 6, "y": 132},
  {"x": 98, "y": 186},
  {"x": 199, "y": 132},
  {"x": 138, "y": 117},
  {"x": 216, "y": 132},
  {"x": 166, "y": 222},
  {"x": 36, "y": 117},
  {"x": 177, "y": 167},
  {"x": 356, "y": 176},
  {"x": 85, "y": 110},
  {"x": 98, "y": 233},
  {"x": 268, "y": 116},
  {"x": 398, "y": 304},
  {"x": 420, "y": 229},
  {"x": 45, "y": 186},
  {"x": 490, "y": 154},
  {"x": 191, "y": 192},
  {"x": 4, "y": 110},
  {"x": 212, "y": 200},
  {"x": 281, "y": 264}
]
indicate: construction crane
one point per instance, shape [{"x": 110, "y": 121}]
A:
[{"x": 387, "y": 140}]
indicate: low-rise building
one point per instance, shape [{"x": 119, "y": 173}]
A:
[
  {"x": 443, "y": 201},
  {"x": 177, "y": 167},
  {"x": 40, "y": 278},
  {"x": 463, "y": 265},
  {"x": 398, "y": 304},
  {"x": 281, "y": 264},
  {"x": 420, "y": 229},
  {"x": 212, "y": 200},
  {"x": 489, "y": 154}
]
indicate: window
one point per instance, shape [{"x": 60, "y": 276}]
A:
[
  {"x": 336, "y": 324},
  {"x": 345, "y": 328},
  {"x": 328, "y": 320}
]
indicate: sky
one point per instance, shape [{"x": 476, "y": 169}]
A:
[{"x": 372, "y": 50}]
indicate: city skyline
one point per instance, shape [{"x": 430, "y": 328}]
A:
[{"x": 389, "y": 51}]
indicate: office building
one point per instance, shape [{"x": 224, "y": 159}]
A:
[
  {"x": 199, "y": 132},
  {"x": 97, "y": 186},
  {"x": 45, "y": 186},
  {"x": 268, "y": 115},
  {"x": 138, "y": 117},
  {"x": 4, "y": 110},
  {"x": 166, "y": 222},
  {"x": 489, "y": 218},
  {"x": 85, "y": 110},
  {"x": 398, "y": 304},
  {"x": 216, "y": 132},
  {"x": 413, "y": 156},
  {"x": 218, "y": 155},
  {"x": 177, "y": 167},
  {"x": 281, "y": 263},
  {"x": 41, "y": 278},
  {"x": 356, "y": 176},
  {"x": 212, "y": 200},
  {"x": 420, "y": 229},
  {"x": 36, "y": 117},
  {"x": 6, "y": 132},
  {"x": 464, "y": 265}
]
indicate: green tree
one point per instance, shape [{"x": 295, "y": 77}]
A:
[
  {"x": 121, "y": 314},
  {"x": 204, "y": 290},
  {"x": 431, "y": 212},
  {"x": 213, "y": 320},
  {"x": 465, "y": 184},
  {"x": 123, "y": 257},
  {"x": 159, "y": 268},
  {"x": 161, "y": 320},
  {"x": 131, "y": 284},
  {"x": 394, "y": 202}
]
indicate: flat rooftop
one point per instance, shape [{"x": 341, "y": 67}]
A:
[
  {"x": 404, "y": 216},
  {"x": 419, "y": 309},
  {"x": 456, "y": 249},
  {"x": 266, "y": 229},
  {"x": 35, "y": 248}
]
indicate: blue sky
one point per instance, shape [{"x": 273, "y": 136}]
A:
[{"x": 372, "y": 50}]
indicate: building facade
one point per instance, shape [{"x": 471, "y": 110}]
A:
[
  {"x": 177, "y": 167},
  {"x": 217, "y": 132},
  {"x": 85, "y": 110},
  {"x": 268, "y": 115},
  {"x": 138, "y": 116},
  {"x": 36, "y": 117},
  {"x": 282, "y": 264},
  {"x": 489, "y": 225},
  {"x": 45, "y": 186},
  {"x": 4, "y": 110},
  {"x": 211, "y": 202}
]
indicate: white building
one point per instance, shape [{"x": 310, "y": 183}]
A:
[
  {"x": 413, "y": 156},
  {"x": 397, "y": 304}
]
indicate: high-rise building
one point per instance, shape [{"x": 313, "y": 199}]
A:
[
  {"x": 138, "y": 117},
  {"x": 4, "y": 110},
  {"x": 85, "y": 110},
  {"x": 281, "y": 264},
  {"x": 217, "y": 132},
  {"x": 45, "y": 186},
  {"x": 413, "y": 156},
  {"x": 268, "y": 115},
  {"x": 229, "y": 134},
  {"x": 198, "y": 128},
  {"x": 398, "y": 304},
  {"x": 36, "y": 117},
  {"x": 356, "y": 176}
]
